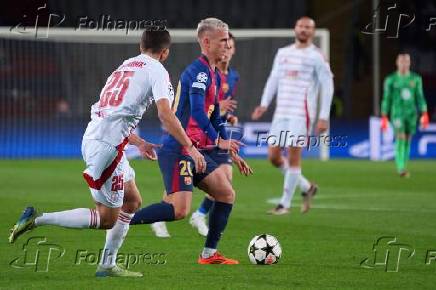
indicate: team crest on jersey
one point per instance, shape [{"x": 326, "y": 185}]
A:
[
  {"x": 225, "y": 87},
  {"x": 397, "y": 123},
  {"x": 188, "y": 180},
  {"x": 412, "y": 84},
  {"x": 202, "y": 77},
  {"x": 405, "y": 94}
]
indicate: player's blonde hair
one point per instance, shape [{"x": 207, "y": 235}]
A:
[{"x": 210, "y": 24}]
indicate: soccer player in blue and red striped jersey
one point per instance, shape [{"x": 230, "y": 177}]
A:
[
  {"x": 196, "y": 106},
  {"x": 229, "y": 79}
]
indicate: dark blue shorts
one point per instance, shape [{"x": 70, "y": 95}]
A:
[
  {"x": 178, "y": 170},
  {"x": 219, "y": 156}
]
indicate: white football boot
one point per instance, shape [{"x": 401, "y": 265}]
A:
[
  {"x": 198, "y": 221},
  {"x": 160, "y": 230}
]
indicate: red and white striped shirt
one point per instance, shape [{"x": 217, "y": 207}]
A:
[{"x": 296, "y": 77}]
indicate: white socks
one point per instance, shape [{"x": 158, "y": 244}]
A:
[
  {"x": 76, "y": 218},
  {"x": 292, "y": 178},
  {"x": 90, "y": 218},
  {"x": 114, "y": 239},
  {"x": 303, "y": 183},
  {"x": 208, "y": 252},
  {"x": 285, "y": 166}
]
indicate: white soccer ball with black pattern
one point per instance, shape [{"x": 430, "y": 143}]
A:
[{"x": 264, "y": 250}]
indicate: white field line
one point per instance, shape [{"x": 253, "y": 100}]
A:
[{"x": 276, "y": 200}]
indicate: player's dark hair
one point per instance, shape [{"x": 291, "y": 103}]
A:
[{"x": 155, "y": 40}]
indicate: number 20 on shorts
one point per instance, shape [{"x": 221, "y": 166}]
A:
[{"x": 185, "y": 168}]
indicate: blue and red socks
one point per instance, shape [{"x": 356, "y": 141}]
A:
[
  {"x": 218, "y": 218},
  {"x": 157, "y": 212}
]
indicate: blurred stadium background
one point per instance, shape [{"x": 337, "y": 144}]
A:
[{"x": 47, "y": 84}]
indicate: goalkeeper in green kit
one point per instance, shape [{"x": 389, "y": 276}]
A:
[{"x": 403, "y": 98}]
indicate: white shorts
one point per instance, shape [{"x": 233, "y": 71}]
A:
[
  {"x": 107, "y": 169},
  {"x": 285, "y": 132}
]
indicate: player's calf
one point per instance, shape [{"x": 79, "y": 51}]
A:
[
  {"x": 100, "y": 218},
  {"x": 275, "y": 156},
  {"x": 180, "y": 211},
  {"x": 132, "y": 198},
  {"x": 217, "y": 185},
  {"x": 107, "y": 216},
  {"x": 181, "y": 202}
]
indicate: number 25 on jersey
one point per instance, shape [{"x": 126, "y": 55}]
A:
[{"x": 115, "y": 89}]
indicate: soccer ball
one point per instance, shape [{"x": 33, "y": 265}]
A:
[{"x": 264, "y": 250}]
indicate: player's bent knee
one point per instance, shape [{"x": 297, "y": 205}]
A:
[
  {"x": 106, "y": 223},
  {"x": 295, "y": 158},
  {"x": 132, "y": 206},
  {"x": 230, "y": 197},
  {"x": 180, "y": 212},
  {"x": 275, "y": 160},
  {"x": 132, "y": 197},
  {"x": 227, "y": 195}
]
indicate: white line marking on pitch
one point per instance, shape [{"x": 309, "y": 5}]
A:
[{"x": 276, "y": 200}]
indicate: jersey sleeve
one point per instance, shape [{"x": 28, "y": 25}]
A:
[
  {"x": 235, "y": 84},
  {"x": 217, "y": 122},
  {"x": 325, "y": 79},
  {"x": 422, "y": 105},
  {"x": 272, "y": 83},
  {"x": 161, "y": 86},
  {"x": 387, "y": 96},
  {"x": 197, "y": 91}
]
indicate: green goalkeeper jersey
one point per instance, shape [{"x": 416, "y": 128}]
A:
[{"x": 403, "y": 95}]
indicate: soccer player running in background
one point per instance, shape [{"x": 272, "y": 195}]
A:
[
  {"x": 403, "y": 97},
  {"x": 299, "y": 71},
  {"x": 229, "y": 79},
  {"x": 129, "y": 90},
  {"x": 196, "y": 105}
]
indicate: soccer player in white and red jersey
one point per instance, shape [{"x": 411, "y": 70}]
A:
[
  {"x": 129, "y": 90},
  {"x": 298, "y": 73}
]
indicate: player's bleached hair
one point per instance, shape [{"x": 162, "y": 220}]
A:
[{"x": 210, "y": 24}]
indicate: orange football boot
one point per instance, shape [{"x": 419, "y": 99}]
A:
[{"x": 217, "y": 258}]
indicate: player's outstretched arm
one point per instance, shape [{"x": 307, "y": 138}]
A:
[
  {"x": 223, "y": 142},
  {"x": 422, "y": 105},
  {"x": 386, "y": 103},
  {"x": 243, "y": 166},
  {"x": 272, "y": 84},
  {"x": 146, "y": 149},
  {"x": 325, "y": 78},
  {"x": 228, "y": 105},
  {"x": 269, "y": 91},
  {"x": 258, "y": 112},
  {"x": 387, "y": 97},
  {"x": 175, "y": 129}
]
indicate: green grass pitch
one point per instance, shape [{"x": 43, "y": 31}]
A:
[{"x": 358, "y": 202}]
